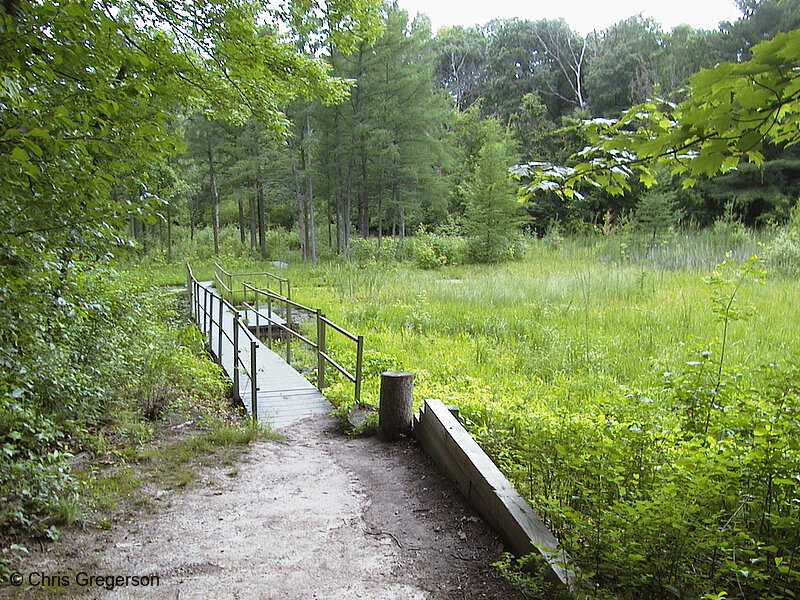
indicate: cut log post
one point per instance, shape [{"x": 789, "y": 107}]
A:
[{"x": 394, "y": 412}]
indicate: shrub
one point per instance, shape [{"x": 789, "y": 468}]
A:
[
  {"x": 494, "y": 249},
  {"x": 112, "y": 354},
  {"x": 426, "y": 256},
  {"x": 431, "y": 251},
  {"x": 783, "y": 254}
]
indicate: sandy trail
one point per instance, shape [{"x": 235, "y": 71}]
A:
[{"x": 317, "y": 516}]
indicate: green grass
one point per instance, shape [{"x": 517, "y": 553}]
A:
[
  {"x": 519, "y": 329},
  {"x": 588, "y": 371}
]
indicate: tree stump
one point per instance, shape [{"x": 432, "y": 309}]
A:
[{"x": 394, "y": 412}]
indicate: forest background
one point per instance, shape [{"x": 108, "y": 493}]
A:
[{"x": 432, "y": 121}]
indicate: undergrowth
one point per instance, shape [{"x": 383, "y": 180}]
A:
[{"x": 107, "y": 371}]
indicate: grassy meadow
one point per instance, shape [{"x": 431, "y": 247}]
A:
[{"x": 644, "y": 398}]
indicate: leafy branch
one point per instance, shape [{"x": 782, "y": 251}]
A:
[{"x": 732, "y": 111}]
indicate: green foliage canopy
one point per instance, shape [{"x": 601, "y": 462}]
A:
[
  {"x": 731, "y": 112},
  {"x": 88, "y": 90}
]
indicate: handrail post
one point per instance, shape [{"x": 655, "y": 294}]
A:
[
  {"x": 253, "y": 380},
  {"x": 258, "y": 316},
  {"x": 359, "y": 360},
  {"x": 288, "y": 290},
  {"x": 321, "y": 349},
  {"x": 206, "y": 326},
  {"x": 196, "y": 302},
  {"x": 236, "y": 356},
  {"x": 219, "y": 330},
  {"x": 288, "y": 334},
  {"x": 269, "y": 322},
  {"x": 189, "y": 289}
]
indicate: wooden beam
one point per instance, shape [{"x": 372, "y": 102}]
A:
[{"x": 492, "y": 495}]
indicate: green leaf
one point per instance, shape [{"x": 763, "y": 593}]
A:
[{"x": 19, "y": 155}]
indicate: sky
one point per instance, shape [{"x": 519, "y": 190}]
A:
[{"x": 582, "y": 15}]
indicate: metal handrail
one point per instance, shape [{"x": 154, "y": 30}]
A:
[
  {"x": 340, "y": 329},
  {"x": 320, "y": 346},
  {"x": 277, "y": 296},
  {"x": 281, "y": 326},
  {"x": 202, "y": 310},
  {"x": 219, "y": 270}
]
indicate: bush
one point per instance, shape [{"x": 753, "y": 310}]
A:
[
  {"x": 113, "y": 354},
  {"x": 729, "y": 233},
  {"x": 660, "y": 512},
  {"x": 35, "y": 472},
  {"x": 430, "y": 251},
  {"x": 783, "y": 254},
  {"x": 494, "y": 248},
  {"x": 364, "y": 250},
  {"x": 281, "y": 245}
]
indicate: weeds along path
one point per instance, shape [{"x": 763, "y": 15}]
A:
[{"x": 317, "y": 516}]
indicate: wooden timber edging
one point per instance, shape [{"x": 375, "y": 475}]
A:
[{"x": 488, "y": 491}]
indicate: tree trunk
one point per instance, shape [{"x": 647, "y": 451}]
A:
[
  {"x": 301, "y": 210},
  {"x": 160, "y": 235},
  {"x": 253, "y": 224},
  {"x": 240, "y": 205},
  {"x": 262, "y": 234},
  {"x": 191, "y": 225},
  {"x": 380, "y": 213},
  {"x": 347, "y": 219},
  {"x": 330, "y": 224},
  {"x": 311, "y": 230},
  {"x": 363, "y": 208},
  {"x": 394, "y": 412},
  {"x": 214, "y": 197},
  {"x": 339, "y": 223},
  {"x": 169, "y": 232}
]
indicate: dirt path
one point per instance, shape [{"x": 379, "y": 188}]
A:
[{"x": 317, "y": 516}]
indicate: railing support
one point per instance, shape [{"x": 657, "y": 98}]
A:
[
  {"x": 206, "y": 325},
  {"x": 359, "y": 360},
  {"x": 269, "y": 321},
  {"x": 321, "y": 350},
  {"x": 219, "y": 336},
  {"x": 253, "y": 380},
  {"x": 189, "y": 288},
  {"x": 288, "y": 336},
  {"x": 196, "y": 303},
  {"x": 236, "y": 323}
]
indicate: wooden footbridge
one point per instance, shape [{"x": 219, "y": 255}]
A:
[{"x": 246, "y": 323}]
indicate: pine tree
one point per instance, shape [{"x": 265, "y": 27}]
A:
[{"x": 493, "y": 216}]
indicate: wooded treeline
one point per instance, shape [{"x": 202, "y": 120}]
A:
[{"x": 403, "y": 152}]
